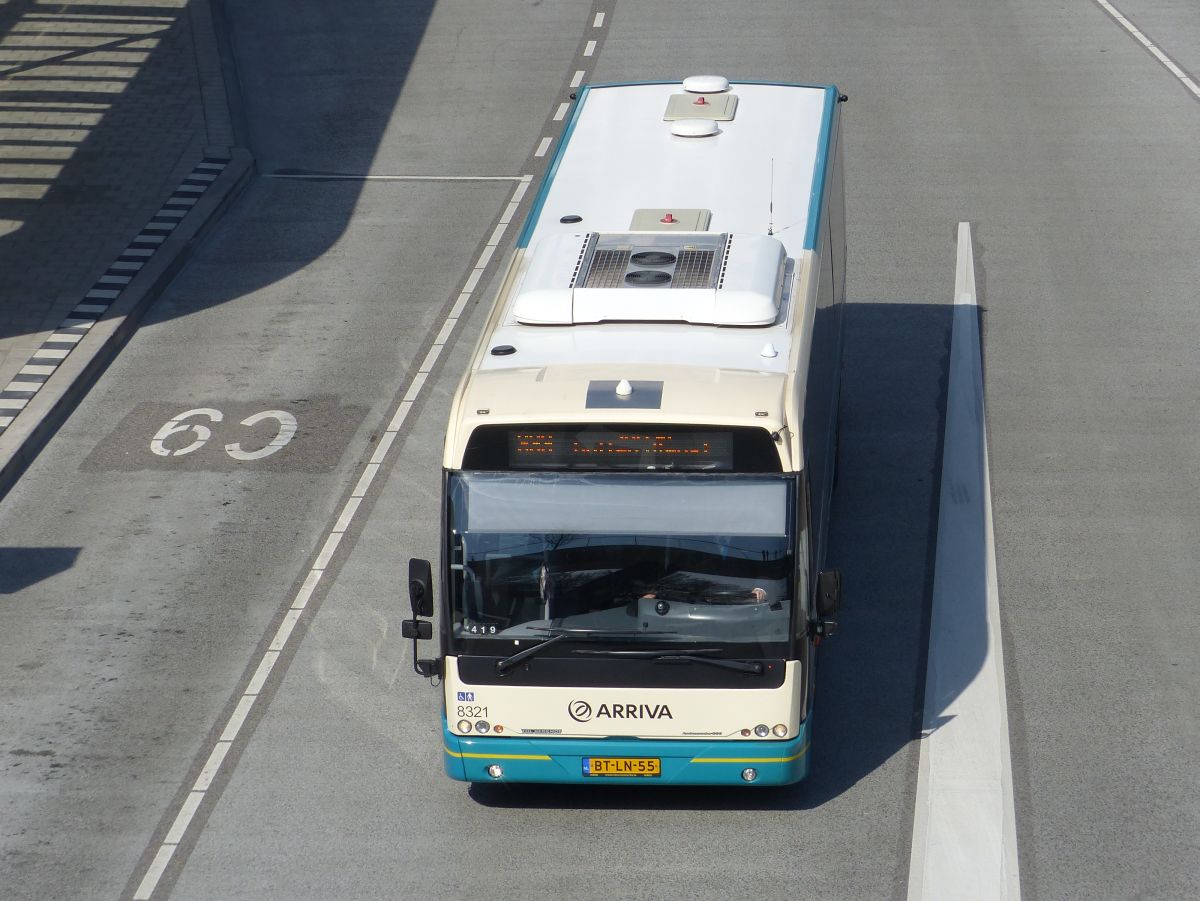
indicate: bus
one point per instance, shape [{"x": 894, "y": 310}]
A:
[{"x": 640, "y": 456}]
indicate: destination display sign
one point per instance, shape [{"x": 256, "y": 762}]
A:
[{"x": 624, "y": 449}]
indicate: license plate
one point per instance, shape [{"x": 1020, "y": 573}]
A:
[{"x": 622, "y": 766}]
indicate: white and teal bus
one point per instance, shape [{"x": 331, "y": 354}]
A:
[{"x": 640, "y": 457}]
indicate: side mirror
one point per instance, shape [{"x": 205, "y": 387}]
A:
[
  {"x": 420, "y": 596},
  {"x": 416, "y": 629},
  {"x": 829, "y": 602},
  {"x": 420, "y": 591}
]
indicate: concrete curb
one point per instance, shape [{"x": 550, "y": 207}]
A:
[{"x": 21, "y": 442}]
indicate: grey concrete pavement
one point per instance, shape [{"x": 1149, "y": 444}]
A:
[{"x": 105, "y": 113}]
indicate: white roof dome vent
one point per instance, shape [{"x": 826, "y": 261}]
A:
[
  {"x": 694, "y": 128},
  {"x": 706, "y": 84}
]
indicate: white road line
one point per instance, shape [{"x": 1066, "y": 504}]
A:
[
  {"x": 186, "y": 812},
  {"x": 485, "y": 257},
  {"x": 414, "y": 389},
  {"x": 338, "y": 176},
  {"x": 497, "y": 234},
  {"x": 598, "y": 22},
  {"x": 561, "y": 112},
  {"x": 444, "y": 334},
  {"x": 327, "y": 552},
  {"x": 1169, "y": 63},
  {"x": 385, "y": 443},
  {"x": 238, "y": 717},
  {"x": 154, "y": 873},
  {"x": 348, "y": 512},
  {"x": 590, "y": 48},
  {"x": 266, "y": 662},
  {"x": 459, "y": 305},
  {"x": 264, "y": 670},
  {"x": 306, "y": 590},
  {"x": 543, "y": 146},
  {"x": 284, "y": 632},
  {"x": 964, "y": 841},
  {"x": 215, "y": 759},
  {"x": 398, "y": 419},
  {"x": 577, "y": 78},
  {"x": 365, "y": 480},
  {"x": 509, "y": 212}
]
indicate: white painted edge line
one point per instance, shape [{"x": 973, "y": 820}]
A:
[
  {"x": 1170, "y": 64},
  {"x": 339, "y": 176},
  {"x": 964, "y": 841},
  {"x": 266, "y": 661},
  {"x": 154, "y": 873}
]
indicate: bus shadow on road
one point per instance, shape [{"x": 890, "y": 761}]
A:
[
  {"x": 21, "y": 567},
  {"x": 871, "y": 679}
]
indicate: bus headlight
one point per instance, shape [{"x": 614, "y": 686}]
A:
[
  {"x": 780, "y": 730},
  {"x": 749, "y": 774},
  {"x": 464, "y": 726},
  {"x": 481, "y": 726},
  {"x": 761, "y": 730},
  {"x": 495, "y": 771}
]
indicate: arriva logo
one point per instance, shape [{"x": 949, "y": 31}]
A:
[{"x": 581, "y": 711}]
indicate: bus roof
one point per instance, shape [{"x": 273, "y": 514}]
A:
[{"x": 657, "y": 277}]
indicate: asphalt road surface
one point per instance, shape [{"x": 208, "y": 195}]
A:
[{"x": 127, "y": 636}]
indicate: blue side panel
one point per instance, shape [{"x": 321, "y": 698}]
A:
[
  {"x": 684, "y": 762},
  {"x": 548, "y": 179},
  {"x": 821, "y": 169}
]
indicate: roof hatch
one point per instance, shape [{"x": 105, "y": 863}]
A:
[{"x": 705, "y": 278}]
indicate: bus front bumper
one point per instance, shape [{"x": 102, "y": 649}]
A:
[{"x": 682, "y": 761}]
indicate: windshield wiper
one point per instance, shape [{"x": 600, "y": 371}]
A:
[
  {"x": 557, "y": 635},
  {"x": 697, "y": 655}
]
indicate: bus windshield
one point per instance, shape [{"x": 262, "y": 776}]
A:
[{"x": 646, "y": 556}]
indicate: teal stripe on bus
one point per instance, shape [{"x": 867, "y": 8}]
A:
[
  {"x": 548, "y": 179},
  {"x": 821, "y": 169}
]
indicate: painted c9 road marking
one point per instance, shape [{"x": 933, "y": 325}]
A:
[{"x": 202, "y": 433}]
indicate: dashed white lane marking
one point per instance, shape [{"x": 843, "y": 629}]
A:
[
  {"x": 350, "y": 176},
  {"x": 561, "y": 112},
  {"x": 964, "y": 841},
  {"x": 266, "y": 662},
  {"x": 1138, "y": 36}
]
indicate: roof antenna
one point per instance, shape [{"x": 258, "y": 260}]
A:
[{"x": 771, "y": 201}]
